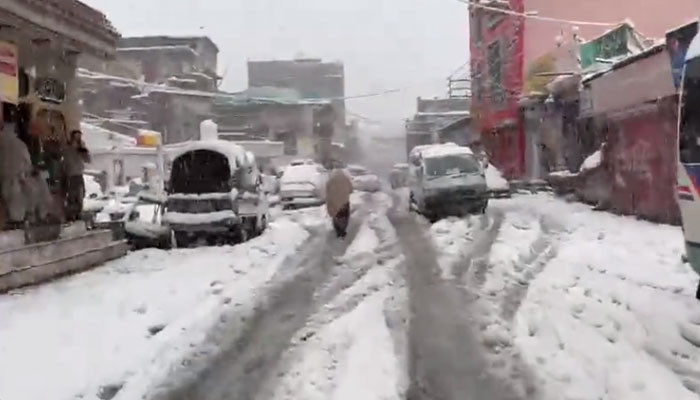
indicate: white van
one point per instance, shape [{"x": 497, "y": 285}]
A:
[{"x": 447, "y": 180}]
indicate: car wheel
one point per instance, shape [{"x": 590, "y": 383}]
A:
[
  {"x": 166, "y": 243},
  {"x": 182, "y": 240},
  {"x": 263, "y": 225},
  {"x": 484, "y": 207}
]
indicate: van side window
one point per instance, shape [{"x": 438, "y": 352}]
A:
[{"x": 689, "y": 141}]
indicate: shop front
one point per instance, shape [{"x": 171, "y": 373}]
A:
[{"x": 40, "y": 42}]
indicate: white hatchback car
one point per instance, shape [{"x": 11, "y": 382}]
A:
[{"x": 303, "y": 186}]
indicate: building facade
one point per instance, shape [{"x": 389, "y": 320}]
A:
[
  {"x": 504, "y": 48},
  {"x": 40, "y": 42},
  {"x": 177, "y": 94},
  {"x": 312, "y": 78}
]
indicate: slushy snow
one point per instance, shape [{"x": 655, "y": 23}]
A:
[
  {"x": 593, "y": 305},
  {"x": 129, "y": 322},
  {"x": 348, "y": 350}
]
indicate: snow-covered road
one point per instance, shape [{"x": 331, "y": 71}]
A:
[
  {"x": 537, "y": 299},
  {"x": 578, "y": 304}
]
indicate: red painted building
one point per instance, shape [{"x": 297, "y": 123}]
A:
[
  {"x": 503, "y": 47},
  {"x": 497, "y": 42}
]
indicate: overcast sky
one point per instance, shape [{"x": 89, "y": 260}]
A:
[{"x": 385, "y": 44}]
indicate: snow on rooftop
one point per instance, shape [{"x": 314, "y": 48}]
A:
[
  {"x": 443, "y": 113},
  {"x": 157, "y": 48}
]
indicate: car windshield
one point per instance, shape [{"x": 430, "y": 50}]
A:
[{"x": 451, "y": 165}]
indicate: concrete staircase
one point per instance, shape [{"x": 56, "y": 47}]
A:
[{"x": 76, "y": 250}]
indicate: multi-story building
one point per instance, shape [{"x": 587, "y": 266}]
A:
[
  {"x": 433, "y": 116},
  {"x": 504, "y": 47},
  {"x": 184, "y": 70},
  {"x": 311, "y": 78}
]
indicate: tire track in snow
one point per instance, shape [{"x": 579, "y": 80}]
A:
[
  {"x": 239, "y": 372},
  {"x": 446, "y": 359}
]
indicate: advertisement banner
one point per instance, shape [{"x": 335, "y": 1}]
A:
[
  {"x": 9, "y": 82},
  {"x": 677, "y": 42}
]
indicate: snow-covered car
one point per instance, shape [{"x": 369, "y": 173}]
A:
[
  {"x": 303, "y": 186},
  {"x": 302, "y": 161},
  {"x": 356, "y": 170},
  {"x": 399, "y": 175},
  {"x": 215, "y": 194},
  {"x": 144, "y": 226},
  {"x": 367, "y": 183},
  {"x": 363, "y": 180},
  {"x": 447, "y": 180}
]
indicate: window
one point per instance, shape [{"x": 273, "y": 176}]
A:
[
  {"x": 477, "y": 27},
  {"x": 476, "y": 82},
  {"x": 493, "y": 19},
  {"x": 495, "y": 68},
  {"x": 690, "y": 118},
  {"x": 451, "y": 165}
]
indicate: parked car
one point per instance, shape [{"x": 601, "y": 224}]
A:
[
  {"x": 363, "y": 180},
  {"x": 303, "y": 186},
  {"x": 144, "y": 225},
  {"x": 399, "y": 176},
  {"x": 447, "y": 180},
  {"x": 215, "y": 194}
]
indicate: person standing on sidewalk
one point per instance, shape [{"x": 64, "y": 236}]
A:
[{"x": 75, "y": 156}]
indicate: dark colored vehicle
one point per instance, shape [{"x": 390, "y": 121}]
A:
[{"x": 215, "y": 195}]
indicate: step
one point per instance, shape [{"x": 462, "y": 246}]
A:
[
  {"x": 40, "y": 253},
  {"x": 11, "y": 239},
  {"x": 58, "y": 267}
]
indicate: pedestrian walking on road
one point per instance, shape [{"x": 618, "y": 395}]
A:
[
  {"x": 75, "y": 156},
  {"x": 338, "y": 190}
]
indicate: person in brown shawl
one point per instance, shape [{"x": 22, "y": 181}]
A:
[{"x": 338, "y": 190}]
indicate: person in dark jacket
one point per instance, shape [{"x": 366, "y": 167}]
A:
[{"x": 75, "y": 155}]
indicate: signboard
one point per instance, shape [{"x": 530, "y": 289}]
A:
[
  {"x": 677, "y": 42},
  {"x": 9, "y": 82},
  {"x": 610, "y": 45}
]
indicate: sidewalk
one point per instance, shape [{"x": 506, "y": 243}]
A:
[{"x": 86, "y": 335}]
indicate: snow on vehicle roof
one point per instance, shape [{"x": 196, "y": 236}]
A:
[
  {"x": 441, "y": 151},
  {"x": 236, "y": 154},
  {"x": 419, "y": 149},
  {"x": 300, "y": 173}
]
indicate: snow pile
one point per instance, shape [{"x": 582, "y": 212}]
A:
[
  {"x": 595, "y": 305},
  {"x": 593, "y": 161},
  {"x": 354, "y": 348},
  {"x": 614, "y": 287},
  {"x": 132, "y": 322},
  {"x": 494, "y": 179}
]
